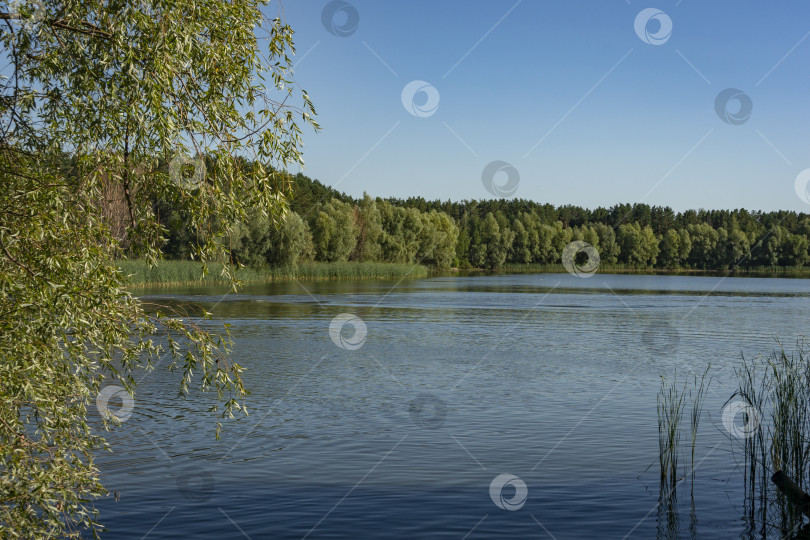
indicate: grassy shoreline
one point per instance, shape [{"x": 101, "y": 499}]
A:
[
  {"x": 760, "y": 271},
  {"x": 174, "y": 273}
]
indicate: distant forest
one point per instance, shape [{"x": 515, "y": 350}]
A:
[{"x": 326, "y": 225}]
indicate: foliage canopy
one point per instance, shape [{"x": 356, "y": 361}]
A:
[{"x": 113, "y": 102}]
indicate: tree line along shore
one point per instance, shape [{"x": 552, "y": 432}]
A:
[{"x": 328, "y": 234}]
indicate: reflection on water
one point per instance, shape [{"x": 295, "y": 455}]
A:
[{"x": 547, "y": 378}]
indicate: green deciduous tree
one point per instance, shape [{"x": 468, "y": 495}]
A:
[
  {"x": 462, "y": 255},
  {"x": 438, "y": 239},
  {"x": 794, "y": 250},
  {"x": 368, "y": 224},
  {"x": 586, "y": 233},
  {"x": 258, "y": 241},
  {"x": 491, "y": 245},
  {"x": 704, "y": 242},
  {"x": 334, "y": 232},
  {"x": 684, "y": 246},
  {"x": 546, "y": 252},
  {"x": 733, "y": 248},
  {"x": 401, "y": 232},
  {"x": 250, "y": 240},
  {"x": 670, "y": 247},
  {"x": 608, "y": 248},
  {"x": 638, "y": 245},
  {"x": 766, "y": 251},
  {"x": 115, "y": 94},
  {"x": 531, "y": 241},
  {"x": 521, "y": 251}
]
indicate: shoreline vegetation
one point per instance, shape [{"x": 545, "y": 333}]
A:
[
  {"x": 183, "y": 273},
  {"x": 768, "y": 421},
  {"x": 757, "y": 271},
  {"x": 326, "y": 234},
  {"x": 178, "y": 273}
]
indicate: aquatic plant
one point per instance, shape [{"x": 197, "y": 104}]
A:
[
  {"x": 169, "y": 273},
  {"x": 671, "y": 403},
  {"x": 673, "y": 400},
  {"x": 777, "y": 389},
  {"x": 350, "y": 270},
  {"x": 698, "y": 394}
]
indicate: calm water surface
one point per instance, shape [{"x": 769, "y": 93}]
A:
[{"x": 549, "y": 378}]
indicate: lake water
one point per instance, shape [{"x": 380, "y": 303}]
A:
[{"x": 404, "y": 432}]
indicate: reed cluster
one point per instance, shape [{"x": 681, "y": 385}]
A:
[
  {"x": 170, "y": 273},
  {"x": 674, "y": 399},
  {"x": 349, "y": 270},
  {"x": 623, "y": 268},
  {"x": 777, "y": 388},
  {"x": 173, "y": 273}
]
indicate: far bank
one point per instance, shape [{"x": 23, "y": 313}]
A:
[{"x": 172, "y": 272}]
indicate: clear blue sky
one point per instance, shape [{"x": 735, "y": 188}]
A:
[{"x": 565, "y": 91}]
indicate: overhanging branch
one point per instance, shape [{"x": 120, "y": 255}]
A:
[{"x": 86, "y": 28}]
